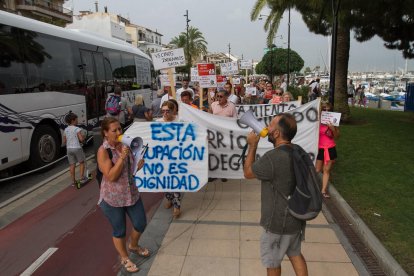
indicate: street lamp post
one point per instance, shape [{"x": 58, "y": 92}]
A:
[
  {"x": 188, "y": 44},
  {"x": 288, "y": 57}
]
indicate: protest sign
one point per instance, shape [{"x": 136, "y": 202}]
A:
[
  {"x": 229, "y": 68},
  {"x": 165, "y": 80},
  {"x": 168, "y": 59},
  {"x": 246, "y": 64},
  {"x": 227, "y": 137},
  {"x": 236, "y": 80},
  {"x": 251, "y": 91},
  {"x": 221, "y": 81},
  {"x": 194, "y": 74},
  {"x": 206, "y": 75},
  {"x": 176, "y": 159},
  {"x": 330, "y": 117}
]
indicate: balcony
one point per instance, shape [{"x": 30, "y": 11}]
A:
[{"x": 54, "y": 12}]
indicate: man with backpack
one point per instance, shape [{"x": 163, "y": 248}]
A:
[
  {"x": 116, "y": 106},
  {"x": 283, "y": 232}
]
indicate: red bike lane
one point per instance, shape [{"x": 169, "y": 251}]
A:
[{"x": 71, "y": 222}]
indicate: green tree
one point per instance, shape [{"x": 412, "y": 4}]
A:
[
  {"x": 307, "y": 71},
  {"x": 394, "y": 26},
  {"x": 275, "y": 62},
  {"x": 196, "y": 43}
]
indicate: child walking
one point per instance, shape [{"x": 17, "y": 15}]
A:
[{"x": 73, "y": 138}]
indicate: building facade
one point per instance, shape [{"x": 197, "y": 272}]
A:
[
  {"x": 49, "y": 11},
  {"x": 145, "y": 39}
]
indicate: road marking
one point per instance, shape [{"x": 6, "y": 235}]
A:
[{"x": 34, "y": 266}]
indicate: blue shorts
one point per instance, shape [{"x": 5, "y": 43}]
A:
[{"x": 117, "y": 218}]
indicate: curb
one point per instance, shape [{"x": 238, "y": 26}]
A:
[{"x": 385, "y": 259}]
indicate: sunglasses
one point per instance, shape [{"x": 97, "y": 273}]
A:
[
  {"x": 165, "y": 110},
  {"x": 219, "y": 96}
]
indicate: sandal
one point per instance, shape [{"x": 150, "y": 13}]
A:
[
  {"x": 326, "y": 195},
  {"x": 129, "y": 266},
  {"x": 140, "y": 251}
]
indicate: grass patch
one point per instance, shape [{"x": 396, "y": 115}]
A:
[{"x": 375, "y": 174}]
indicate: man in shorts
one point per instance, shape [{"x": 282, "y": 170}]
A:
[{"x": 282, "y": 233}]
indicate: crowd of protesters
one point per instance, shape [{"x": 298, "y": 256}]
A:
[{"x": 120, "y": 198}]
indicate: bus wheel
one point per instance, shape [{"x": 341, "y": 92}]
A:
[{"x": 44, "y": 147}]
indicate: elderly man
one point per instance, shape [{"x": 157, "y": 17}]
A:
[
  {"x": 282, "y": 233},
  {"x": 223, "y": 107}
]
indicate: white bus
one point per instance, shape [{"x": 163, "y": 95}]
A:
[{"x": 46, "y": 72}]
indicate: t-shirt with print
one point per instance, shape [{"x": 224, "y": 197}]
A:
[{"x": 71, "y": 134}]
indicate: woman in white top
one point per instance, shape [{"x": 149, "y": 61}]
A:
[{"x": 169, "y": 114}]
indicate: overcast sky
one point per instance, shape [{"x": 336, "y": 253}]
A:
[{"x": 228, "y": 21}]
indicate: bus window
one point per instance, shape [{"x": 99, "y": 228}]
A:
[
  {"x": 89, "y": 82},
  {"x": 49, "y": 64},
  {"x": 100, "y": 82},
  {"x": 116, "y": 65},
  {"x": 12, "y": 77},
  {"x": 129, "y": 75}
]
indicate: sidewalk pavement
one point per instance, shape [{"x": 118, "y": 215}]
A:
[{"x": 218, "y": 233}]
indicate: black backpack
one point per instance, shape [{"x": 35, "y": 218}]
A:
[
  {"x": 305, "y": 202},
  {"x": 99, "y": 174}
]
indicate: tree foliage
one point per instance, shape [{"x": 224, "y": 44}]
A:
[
  {"x": 392, "y": 20},
  {"x": 275, "y": 62},
  {"x": 197, "y": 44}
]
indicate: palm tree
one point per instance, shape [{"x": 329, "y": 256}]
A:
[
  {"x": 196, "y": 43},
  {"x": 272, "y": 20}
]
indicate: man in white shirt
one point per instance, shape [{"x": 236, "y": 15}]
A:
[
  {"x": 167, "y": 96},
  {"x": 184, "y": 88}
]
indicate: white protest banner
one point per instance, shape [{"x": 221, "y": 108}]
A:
[
  {"x": 246, "y": 64},
  {"x": 194, "y": 74},
  {"x": 168, "y": 59},
  {"x": 330, "y": 117},
  {"x": 176, "y": 159},
  {"x": 229, "y": 68},
  {"x": 207, "y": 75},
  {"x": 227, "y": 137},
  {"x": 165, "y": 80}
]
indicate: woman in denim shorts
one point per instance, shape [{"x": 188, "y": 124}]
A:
[{"x": 119, "y": 195}]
